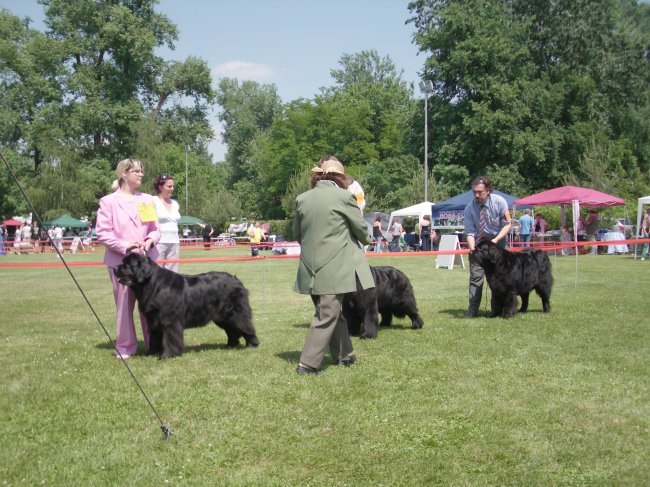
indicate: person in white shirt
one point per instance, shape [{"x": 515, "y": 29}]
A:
[
  {"x": 356, "y": 189},
  {"x": 27, "y": 233},
  {"x": 18, "y": 237},
  {"x": 396, "y": 231},
  {"x": 168, "y": 217},
  {"x": 57, "y": 237},
  {"x": 26, "y": 238}
]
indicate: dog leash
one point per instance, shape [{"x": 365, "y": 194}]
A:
[{"x": 167, "y": 432}]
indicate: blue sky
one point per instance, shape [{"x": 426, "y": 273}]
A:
[{"x": 291, "y": 43}]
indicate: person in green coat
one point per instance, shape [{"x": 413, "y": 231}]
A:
[{"x": 332, "y": 233}]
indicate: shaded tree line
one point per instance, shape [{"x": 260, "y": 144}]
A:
[{"x": 533, "y": 94}]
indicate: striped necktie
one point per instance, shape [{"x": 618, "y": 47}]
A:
[{"x": 482, "y": 224}]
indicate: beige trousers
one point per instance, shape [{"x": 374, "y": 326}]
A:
[{"x": 328, "y": 328}]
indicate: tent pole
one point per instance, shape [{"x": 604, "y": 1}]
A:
[{"x": 576, "y": 217}]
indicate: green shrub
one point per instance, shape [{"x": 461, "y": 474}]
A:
[
  {"x": 281, "y": 227},
  {"x": 409, "y": 224}
]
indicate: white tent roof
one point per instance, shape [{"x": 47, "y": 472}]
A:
[{"x": 418, "y": 210}]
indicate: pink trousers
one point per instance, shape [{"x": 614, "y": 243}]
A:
[{"x": 126, "y": 340}]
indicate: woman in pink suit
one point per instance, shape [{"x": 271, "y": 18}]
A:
[{"x": 127, "y": 222}]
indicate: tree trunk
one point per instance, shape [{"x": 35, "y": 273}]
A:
[
  {"x": 38, "y": 159},
  {"x": 161, "y": 102}
]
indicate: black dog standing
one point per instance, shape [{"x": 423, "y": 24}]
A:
[
  {"x": 514, "y": 273},
  {"x": 172, "y": 302},
  {"x": 392, "y": 295}
]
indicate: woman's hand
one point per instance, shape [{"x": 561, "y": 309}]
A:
[{"x": 135, "y": 245}]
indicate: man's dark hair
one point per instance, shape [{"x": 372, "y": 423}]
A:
[{"x": 482, "y": 180}]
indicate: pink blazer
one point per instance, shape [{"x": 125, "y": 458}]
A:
[{"x": 118, "y": 224}]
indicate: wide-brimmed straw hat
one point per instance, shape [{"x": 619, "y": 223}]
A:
[{"x": 330, "y": 166}]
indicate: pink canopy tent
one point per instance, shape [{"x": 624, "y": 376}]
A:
[
  {"x": 571, "y": 195},
  {"x": 11, "y": 223},
  {"x": 566, "y": 195},
  {"x": 574, "y": 196}
]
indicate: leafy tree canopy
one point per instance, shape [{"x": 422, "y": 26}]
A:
[{"x": 528, "y": 85}]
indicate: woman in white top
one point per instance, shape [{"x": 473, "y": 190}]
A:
[
  {"x": 168, "y": 217},
  {"x": 396, "y": 231}
]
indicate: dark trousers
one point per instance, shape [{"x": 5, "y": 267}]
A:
[
  {"x": 425, "y": 241},
  {"x": 476, "y": 278}
]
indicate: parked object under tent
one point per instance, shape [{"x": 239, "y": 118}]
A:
[
  {"x": 639, "y": 215},
  {"x": 574, "y": 196},
  {"x": 418, "y": 211}
]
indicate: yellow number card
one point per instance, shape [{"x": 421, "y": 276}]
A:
[{"x": 147, "y": 212}]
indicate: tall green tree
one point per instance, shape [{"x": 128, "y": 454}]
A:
[
  {"x": 371, "y": 87},
  {"x": 183, "y": 123},
  {"x": 92, "y": 89},
  {"x": 109, "y": 55},
  {"x": 528, "y": 85},
  {"x": 31, "y": 91},
  {"x": 247, "y": 110},
  {"x": 363, "y": 118}
]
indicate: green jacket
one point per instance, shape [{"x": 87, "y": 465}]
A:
[{"x": 331, "y": 231}]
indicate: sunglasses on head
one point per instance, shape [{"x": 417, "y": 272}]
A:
[{"x": 165, "y": 176}]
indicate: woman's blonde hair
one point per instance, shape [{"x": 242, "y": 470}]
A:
[{"x": 125, "y": 165}]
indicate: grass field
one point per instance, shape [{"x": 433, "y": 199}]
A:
[{"x": 541, "y": 399}]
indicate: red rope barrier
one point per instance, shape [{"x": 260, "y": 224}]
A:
[{"x": 546, "y": 246}]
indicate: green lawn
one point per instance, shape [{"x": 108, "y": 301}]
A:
[{"x": 541, "y": 399}]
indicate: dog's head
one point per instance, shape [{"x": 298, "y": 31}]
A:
[
  {"x": 488, "y": 254},
  {"x": 135, "y": 269}
]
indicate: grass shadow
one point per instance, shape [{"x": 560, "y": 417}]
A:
[
  {"x": 202, "y": 347},
  {"x": 109, "y": 345},
  {"x": 142, "y": 349},
  {"x": 396, "y": 326},
  {"x": 301, "y": 325},
  {"x": 460, "y": 313},
  {"x": 292, "y": 357}
]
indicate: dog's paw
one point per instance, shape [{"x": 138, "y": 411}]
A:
[
  {"x": 253, "y": 343},
  {"x": 166, "y": 356}
]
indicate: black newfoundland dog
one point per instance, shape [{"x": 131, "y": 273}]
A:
[
  {"x": 172, "y": 302},
  {"x": 514, "y": 273},
  {"x": 392, "y": 295}
]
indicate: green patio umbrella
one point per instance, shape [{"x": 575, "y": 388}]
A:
[
  {"x": 67, "y": 221},
  {"x": 189, "y": 220}
]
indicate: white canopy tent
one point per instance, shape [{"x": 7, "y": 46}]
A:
[
  {"x": 418, "y": 210},
  {"x": 639, "y": 215}
]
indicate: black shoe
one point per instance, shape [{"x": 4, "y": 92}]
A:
[
  {"x": 347, "y": 361},
  {"x": 304, "y": 370},
  {"x": 471, "y": 313}
]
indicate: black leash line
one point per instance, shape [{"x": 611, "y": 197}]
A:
[{"x": 167, "y": 432}]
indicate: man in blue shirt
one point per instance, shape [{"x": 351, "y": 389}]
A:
[
  {"x": 525, "y": 228},
  {"x": 486, "y": 217}
]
